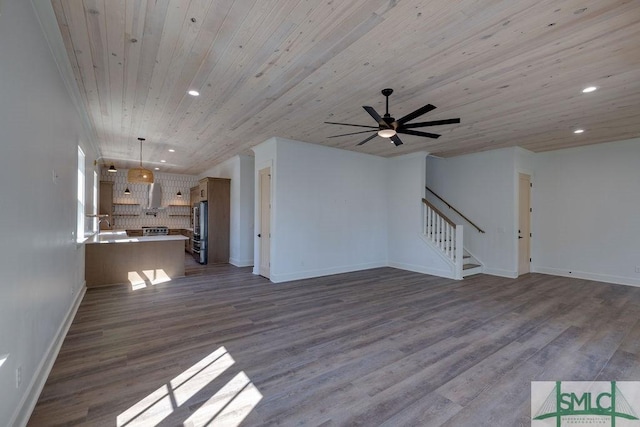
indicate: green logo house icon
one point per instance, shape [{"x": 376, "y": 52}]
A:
[{"x": 583, "y": 403}]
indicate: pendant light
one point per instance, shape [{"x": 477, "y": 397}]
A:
[
  {"x": 112, "y": 169},
  {"x": 140, "y": 175},
  {"x": 179, "y": 194},
  {"x": 126, "y": 191}
]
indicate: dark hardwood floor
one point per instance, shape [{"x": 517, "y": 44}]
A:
[{"x": 378, "y": 347}]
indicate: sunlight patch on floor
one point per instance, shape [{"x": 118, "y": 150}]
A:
[
  {"x": 156, "y": 276},
  {"x": 228, "y": 406},
  {"x": 137, "y": 282},
  {"x": 147, "y": 278}
]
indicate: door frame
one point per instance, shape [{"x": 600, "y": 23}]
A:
[
  {"x": 267, "y": 171},
  {"x": 257, "y": 217},
  {"x": 517, "y": 216}
]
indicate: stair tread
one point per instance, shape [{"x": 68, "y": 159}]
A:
[{"x": 468, "y": 266}]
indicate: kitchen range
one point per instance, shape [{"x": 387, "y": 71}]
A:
[{"x": 159, "y": 230}]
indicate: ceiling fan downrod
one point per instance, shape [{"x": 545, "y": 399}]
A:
[{"x": 387, "y": 92}]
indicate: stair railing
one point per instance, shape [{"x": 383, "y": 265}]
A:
[
  {"x": 445, "y": 235},
  {"x": 455, "y": 210}
]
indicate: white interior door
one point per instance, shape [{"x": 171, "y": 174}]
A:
[
  {"x": 265, "y": 222},
  {"x": 524, "y": 224}
]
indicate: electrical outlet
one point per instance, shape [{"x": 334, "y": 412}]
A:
[{"x": 18, "y": 376}]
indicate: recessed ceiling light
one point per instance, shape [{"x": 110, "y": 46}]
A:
[
  {"x": 163, "y": 161},
  {"x": 578, "y": 131},
  {"x": 156, "y": 169},
  {"x": 193, "y": 93},
  {"x": 589, "y": 89},
  {"x": 171, "y": 150}
]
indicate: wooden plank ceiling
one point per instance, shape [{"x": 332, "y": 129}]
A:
[{"x": 512, "y": 70}]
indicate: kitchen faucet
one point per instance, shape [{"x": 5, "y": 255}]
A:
[{"x": 104, "y": 219}]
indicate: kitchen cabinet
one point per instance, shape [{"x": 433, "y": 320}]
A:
[
  {"x": 106, "y": 204},
  {"x": 188, "y": 245},
  {"x": 218, "y": 205},
  {"x": 136, "y": 262},
  {"x": 203, "y": 187},
  {"x": 194, "y": 195}
]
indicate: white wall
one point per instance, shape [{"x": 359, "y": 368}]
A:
[
  {"x": 407, "y": 248},
  {"x": 586, "y": 212},
  {"x": 240, "y": 170},
  {"x": 329, "y": 209},
  {"x": 482, "y": 186},
  {"x": 41, "y": 265}
]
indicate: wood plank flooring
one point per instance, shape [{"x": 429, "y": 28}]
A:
[{"x": 378, "y": 347}]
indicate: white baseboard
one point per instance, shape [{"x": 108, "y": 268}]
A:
[
  {"x": 299, "y": 275},
  {"x": 500, "y": 272},
  {"x": 241, "y": 262},
  {"x": 606, "y": 278},
  {"x": 30, "y": 398},
  {"x": 448, "y": 274}
]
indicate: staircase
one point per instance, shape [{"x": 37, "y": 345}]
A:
[
  {"x": 470, "y": 265},
  {"x": 447, "y": 237}
]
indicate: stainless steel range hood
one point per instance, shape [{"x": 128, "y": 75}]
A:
[{"x": 155, "y": 196}]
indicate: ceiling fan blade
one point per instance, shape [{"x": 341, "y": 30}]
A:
[
  {"x": 373, "y": 113},
  {"x": 352, "y": 133},
  {"x": 368, "y": 139},
  {"x": 349, "y": 124},
  {"x": 396, "y": 140},
  {"x": 418, "y": 133},
  {"x": 420, "y": 111},
  {"x": 432, "y": 123}
]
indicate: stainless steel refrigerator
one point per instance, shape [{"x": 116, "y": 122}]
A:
[{"x": 200, "y": 232}]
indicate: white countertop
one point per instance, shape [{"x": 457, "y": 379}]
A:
[{"x": 121, "y": 237}]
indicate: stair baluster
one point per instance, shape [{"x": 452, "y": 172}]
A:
[{"x": 444, "y": 235}]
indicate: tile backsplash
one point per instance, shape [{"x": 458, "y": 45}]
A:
[{"x": 129, "y": 210}]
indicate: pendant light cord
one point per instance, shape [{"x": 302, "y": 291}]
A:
[{"x": 141, "y": 139}]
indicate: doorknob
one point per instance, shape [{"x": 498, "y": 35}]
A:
[
  {"x": 519, "y": 237},
  {"x": 259, "y": 235}
]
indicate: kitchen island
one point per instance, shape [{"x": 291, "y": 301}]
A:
[{"x": 113, "y": 257}]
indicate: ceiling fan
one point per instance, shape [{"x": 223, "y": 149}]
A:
[{"x": 388, "y": 127}]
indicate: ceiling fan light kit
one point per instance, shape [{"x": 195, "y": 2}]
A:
[
  {"x": 386, "y": 133},
  {"x": 140, "y": 175},
  {"x": 389, "y": 127}
]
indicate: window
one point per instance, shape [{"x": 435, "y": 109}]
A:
[{"x": 80, "y": 209}]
